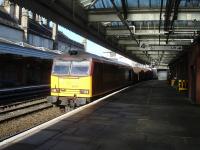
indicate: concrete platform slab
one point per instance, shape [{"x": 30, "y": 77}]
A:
[{"x": 149, "y": 116}]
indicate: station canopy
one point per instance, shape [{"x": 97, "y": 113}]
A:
[{"x": 152, "y": 32}]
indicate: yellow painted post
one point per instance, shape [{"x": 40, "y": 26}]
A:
[{"x": 182, "y": 85}]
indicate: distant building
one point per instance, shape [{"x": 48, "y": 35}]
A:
[{"x": 19, "y": 25}]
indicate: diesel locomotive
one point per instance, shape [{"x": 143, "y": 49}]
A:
[{"x": 80, "y": 77}]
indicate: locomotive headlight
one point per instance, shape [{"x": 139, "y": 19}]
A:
[
  {"x": 62, "y": 90},
  {"x": 84, "y": 91},
  {"x": 55, "y": 90}
]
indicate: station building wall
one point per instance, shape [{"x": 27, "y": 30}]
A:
[
  {"x": 11, "y": 33},
  {"x": 39, "y": 41}
]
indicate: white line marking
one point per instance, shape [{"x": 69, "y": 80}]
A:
[{"x": 38, "y": 128}]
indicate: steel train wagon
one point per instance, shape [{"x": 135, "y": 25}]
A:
[{"x": 80, "y": 77}]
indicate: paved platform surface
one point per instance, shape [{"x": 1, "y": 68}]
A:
[{"x": 150, "y": 116}]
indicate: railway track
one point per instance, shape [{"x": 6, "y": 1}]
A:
[
  {"x": 21, "y": 94},
  {"x": 22, "y": 109},
  {"x": 17, "y": 102}
]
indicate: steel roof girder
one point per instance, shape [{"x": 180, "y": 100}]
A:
[
  {"x": 176, "y": 36},
  {"x": 128, "y": 41},
  {"x": 123, "y": 20},
  {"x": 106, "y": 16},
  {"x": 170, "y": 43},
  {"x": 157, "y": 48},
  {"x": 147, "y": 32},
  {"x": 162, "y": 53}
]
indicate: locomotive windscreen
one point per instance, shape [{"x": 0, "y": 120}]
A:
[
  {"x": 61, "y": 68},
  {"x": 71, "y": 68},
  {"x": 80, "y": 68}
]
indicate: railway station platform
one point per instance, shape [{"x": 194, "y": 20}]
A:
[{"x": 148, "y": 116}]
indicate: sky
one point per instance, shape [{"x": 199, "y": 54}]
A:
[{"x": 91, "y": 46}]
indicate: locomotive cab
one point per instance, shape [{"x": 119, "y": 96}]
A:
[{"x": 71, "y": 82}]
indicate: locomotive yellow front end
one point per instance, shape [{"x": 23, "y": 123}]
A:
[{"x": 71, "y": 82}]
